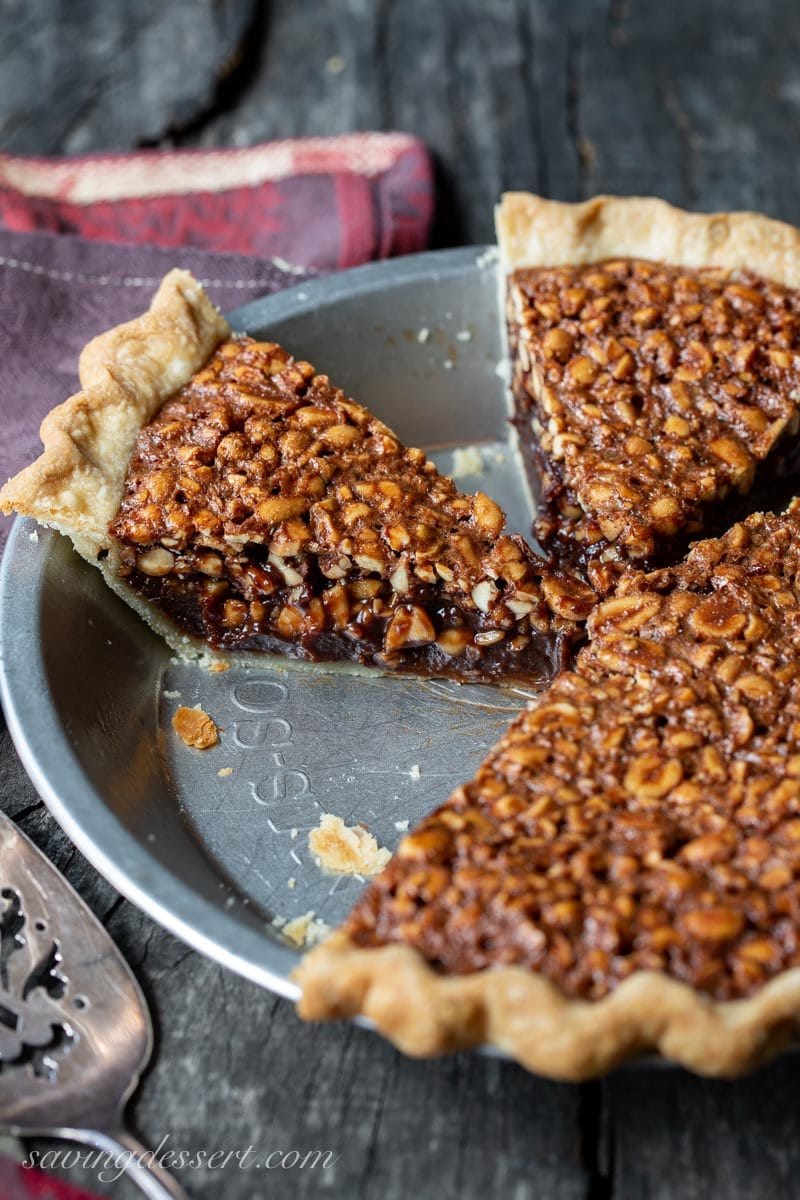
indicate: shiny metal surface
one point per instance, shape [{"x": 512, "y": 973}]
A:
[{"x": 75, "y": 1034}]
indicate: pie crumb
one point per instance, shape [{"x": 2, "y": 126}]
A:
[
  {"x": 33, "y": 536},
  {"x": 423, "y": 336},
  {"x": 293, "y": 833},
  {"x": 217, "y": 666},
  {"x": 171, "y": 695},
  {"x": 401, "y": 826},
  {"x": 291, "y": 882},
  {"x": 467, "y": 460},
  {"x": 195, "y": 728},
  {"x": 302, "y": 931},
  {"x": 224, "y": 772},
  {"x": 414, "y": 772},
  {"x": 346, "y": 850}
]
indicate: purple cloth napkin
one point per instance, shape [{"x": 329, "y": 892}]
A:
[{"x": 57, "y": 292}]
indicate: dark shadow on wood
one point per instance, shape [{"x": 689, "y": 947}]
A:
[
  {"x": 448, "y": 228},
  {"x": 595, "y": 1143},
  {"x": 236, "y": 76}
]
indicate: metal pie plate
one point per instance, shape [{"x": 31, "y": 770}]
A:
[{"x": 214, "y": 845}]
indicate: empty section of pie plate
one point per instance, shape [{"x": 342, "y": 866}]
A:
[{"x": 214, "y": 843}]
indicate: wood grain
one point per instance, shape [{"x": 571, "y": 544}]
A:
[
  {"x": 83, "y": 75},
  {"x": 699, "y": 103}
]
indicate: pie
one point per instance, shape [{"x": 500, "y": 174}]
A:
[
  {"x": 656, "y": 372},
  {"x": 245, "y": 507},
  {"x": 623, "y": 871}
]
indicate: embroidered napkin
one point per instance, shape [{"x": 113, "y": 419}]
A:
[
  {"x": 22, "y": 1183},
  {"x": 322, "y": 202}
]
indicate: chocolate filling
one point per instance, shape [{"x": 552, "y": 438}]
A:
[{"x": 198, "y": 606}]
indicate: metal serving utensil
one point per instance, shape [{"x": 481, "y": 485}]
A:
[{"x": 75, "y": 1033}]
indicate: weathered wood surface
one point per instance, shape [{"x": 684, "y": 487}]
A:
[
  {"x": 698, "y": 102},
  {"x": 83, "y": 75}
]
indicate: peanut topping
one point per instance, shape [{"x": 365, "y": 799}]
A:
[
  {"x": 643, "y": 814},
  {"x": 260, "y": 485},
  {"x": 647, "y": 393},
  {"x": 156, "y": 561}
]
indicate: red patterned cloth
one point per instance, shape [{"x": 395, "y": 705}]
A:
[
  {"x": 320, "y": 202},
  {"x": 25, "y": 1183}
]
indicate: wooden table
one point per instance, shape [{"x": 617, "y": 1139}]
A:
[{"x": 695, "y": 101}]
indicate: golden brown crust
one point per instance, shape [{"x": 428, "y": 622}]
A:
[
  {"x": 424, "y": 1013},
  {"x": 76, "y": 484},
  {"x": 534, "y": 232}
]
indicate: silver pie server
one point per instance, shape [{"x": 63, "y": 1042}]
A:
[{"x": 75, "y": 1033}]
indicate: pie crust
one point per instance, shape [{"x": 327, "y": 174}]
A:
[
  {"x": 534, "y": 232},
  {"x": 77, "y": 483},
  {"x": 527, "y": 1017}
]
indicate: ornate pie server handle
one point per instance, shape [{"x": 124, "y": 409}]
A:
[{"x": 75, "y": 1033}]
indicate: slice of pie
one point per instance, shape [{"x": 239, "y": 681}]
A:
[
  {"x": 623, "y": 872},
  {"x": 656, "y": 371},
  {"x": 244, "y": 506}
]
